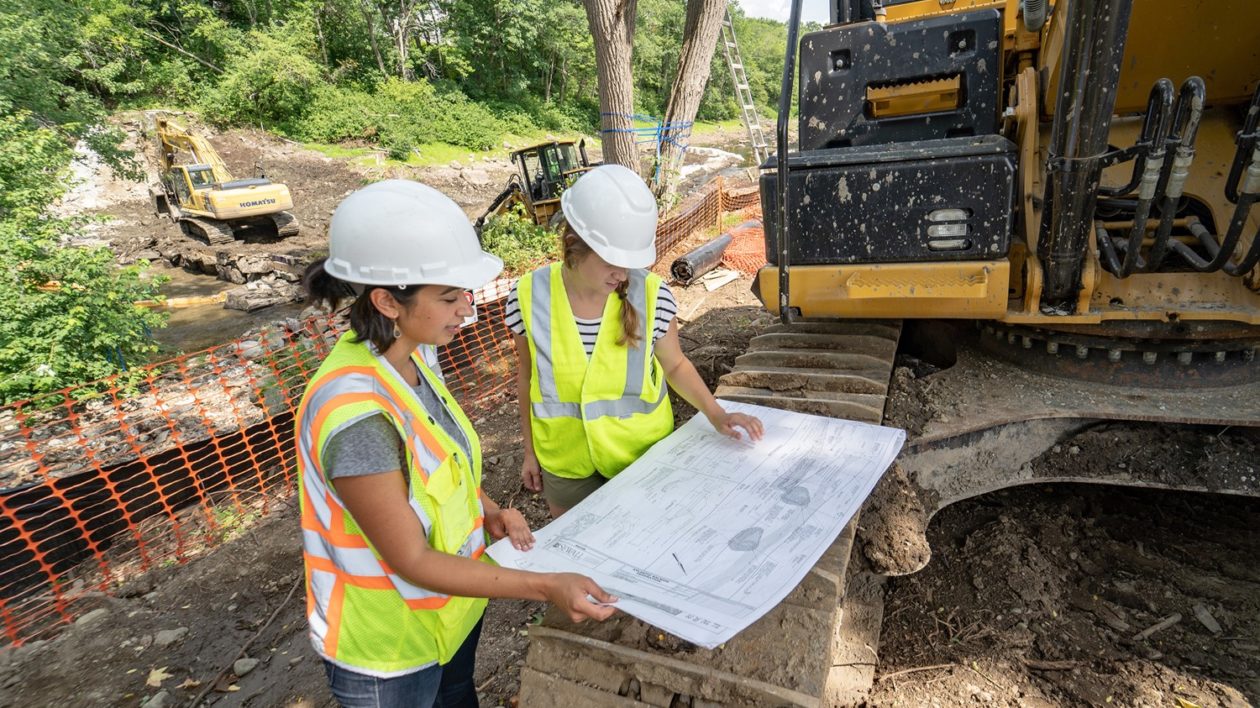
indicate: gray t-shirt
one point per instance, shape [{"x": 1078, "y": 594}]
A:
[{"x": 372, "y": 445}]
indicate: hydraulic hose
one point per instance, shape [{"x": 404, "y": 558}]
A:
[
  {"x": 1247, "y": 140},
  {"x": 1154, "y": 128},
  {"x": 1154, "y": 133},
  {"x": 1187, "y": 112},
  {"x": 1092, "y": 55}
]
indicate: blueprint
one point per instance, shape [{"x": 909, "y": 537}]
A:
[{"x": 703, "y": 534}]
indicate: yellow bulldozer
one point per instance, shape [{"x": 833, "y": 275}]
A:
[
  {"x": 196, "y": 190},
  {"x": 1047, "y": 204},
  {"x": 543, "y": 172}
]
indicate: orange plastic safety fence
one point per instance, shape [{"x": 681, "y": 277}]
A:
[
  {"x": 105, "y": 481},
  {"x": 747, "y": 252}
]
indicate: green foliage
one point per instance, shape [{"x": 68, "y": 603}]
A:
[
  {"x": 271, "y": 83},
  {"x": 430, "y": 115},
  {"x": 521, "y": 243},
  {"x": 401, "y": 116},
  {"x": 66, "y": 314}
]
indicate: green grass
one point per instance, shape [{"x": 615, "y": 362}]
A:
[
  {"x": 704, "y": 127},
  {"x": 437, "y": 154}
]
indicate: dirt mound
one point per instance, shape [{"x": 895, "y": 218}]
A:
[{"x": 1071, "y": 595}]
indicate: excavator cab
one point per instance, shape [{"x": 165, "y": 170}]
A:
[{"x": 199, "y": 176}]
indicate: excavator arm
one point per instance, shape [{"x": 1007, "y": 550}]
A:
[{"x": 173, "y": 139}]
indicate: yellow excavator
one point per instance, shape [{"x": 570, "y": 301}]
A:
[
  {"x": 1046, "y": 209},
  {"x": 197, "y": 191}
]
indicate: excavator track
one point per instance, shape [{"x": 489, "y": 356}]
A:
[
  {"x": 817, "y": 647},
  {"x": 286, "y": 224},
  {"x": 214, "y": 233}
]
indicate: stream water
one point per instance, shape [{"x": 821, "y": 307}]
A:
[{"x": 198, "y": 327}]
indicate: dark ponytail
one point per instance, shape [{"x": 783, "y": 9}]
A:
[{"x": 367, "y": 321}]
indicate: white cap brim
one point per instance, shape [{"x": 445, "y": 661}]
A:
[{"x": 478, "y": 274}]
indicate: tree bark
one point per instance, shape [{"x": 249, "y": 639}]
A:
[
  {"x": 323, "y": 44},
  {"x": 700, "y": 36},
  {"x": 371, "y": 30},
  {"x": 612, "y": 25}
]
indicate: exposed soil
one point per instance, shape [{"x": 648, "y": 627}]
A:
[{"x": 1046, "y": 595}]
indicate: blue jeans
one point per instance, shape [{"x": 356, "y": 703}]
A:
[{"x": 439, "y": 686}]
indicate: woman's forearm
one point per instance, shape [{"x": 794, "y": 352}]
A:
[{"x": 684, "y": 379}]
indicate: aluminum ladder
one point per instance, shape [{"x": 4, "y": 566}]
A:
[{"x": 743, "y": 94}]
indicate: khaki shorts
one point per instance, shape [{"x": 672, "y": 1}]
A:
[{"x": 565, "y": 492}]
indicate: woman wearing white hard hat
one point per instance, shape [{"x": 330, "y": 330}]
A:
[
  {"x": 597, "y": 343},
  {"x": 394, "y": 521}
]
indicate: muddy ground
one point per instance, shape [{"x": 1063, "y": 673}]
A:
[{"x": 316, "y": 182}]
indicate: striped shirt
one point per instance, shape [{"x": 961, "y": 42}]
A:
[{"x": 666, "y": 308}]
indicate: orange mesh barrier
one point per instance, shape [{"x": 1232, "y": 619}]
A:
[
  {"x": 747, "y": 252},
  {"x": 105, "y": 481}
]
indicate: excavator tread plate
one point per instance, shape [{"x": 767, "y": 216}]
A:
[
  {"x": 780, "y": 660},
  {"x": 866, "y": 407},
  {"x": 789, "y": 380},
  {"x": 809, "y": 359},
  {"x": 786, "y": 658},
  {"x": 849, "y": 343},
  {"x": 286, "y": 224},
  {"x": 878, "y": 328}
]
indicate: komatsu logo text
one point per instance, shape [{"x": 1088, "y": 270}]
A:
[{"x": 258, "y": 202}]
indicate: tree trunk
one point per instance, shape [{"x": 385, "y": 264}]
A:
[
  {"x": 700, "y": 35},
  {"x": 371, "y": 30},
  {"x": 564, "y": 79},
  {"x": 323, "y": 44},
  {"x": 612, "y": 25},
  {"x": 547, "y": 79}
]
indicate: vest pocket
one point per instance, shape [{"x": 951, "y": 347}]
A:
[{"x": 448, "y": 492}]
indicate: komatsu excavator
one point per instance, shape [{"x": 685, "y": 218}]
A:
[
  {"x": 197, "y": 191},
  {"x": 1051, "y": 203}
]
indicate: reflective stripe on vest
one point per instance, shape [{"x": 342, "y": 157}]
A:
[
  {"x": 615, "y": 401},
  {"x": 362, "y": 614}
]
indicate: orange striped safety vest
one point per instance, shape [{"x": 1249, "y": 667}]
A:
[{"x": 362, "y": 615}]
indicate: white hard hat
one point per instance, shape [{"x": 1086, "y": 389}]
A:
[
  {"x": 615, "y": 214},
  {"x": 399, "y": 232}
]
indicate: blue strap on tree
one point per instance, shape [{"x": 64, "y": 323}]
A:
[{"x": 657, "y": 132}]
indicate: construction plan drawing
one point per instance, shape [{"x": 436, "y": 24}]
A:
[{"x": 704, "y": 534}]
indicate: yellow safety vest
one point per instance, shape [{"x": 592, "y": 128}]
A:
[
  {"x": 598, "y": 415},
  {"x": 362, "y": 615}
]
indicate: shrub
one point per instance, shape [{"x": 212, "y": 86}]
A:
[
  {"x": 337, "y": 113},
  {"x": 269, "y": 84},
  {"x": 400, "y": 115},
  {"x": 67, "y": 315},
  {"x": 520, "y": 242}
]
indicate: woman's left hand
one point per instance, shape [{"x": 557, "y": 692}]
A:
[
  {"x": 510, "y": 523},
  {"x": 728, "y": 424}
]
